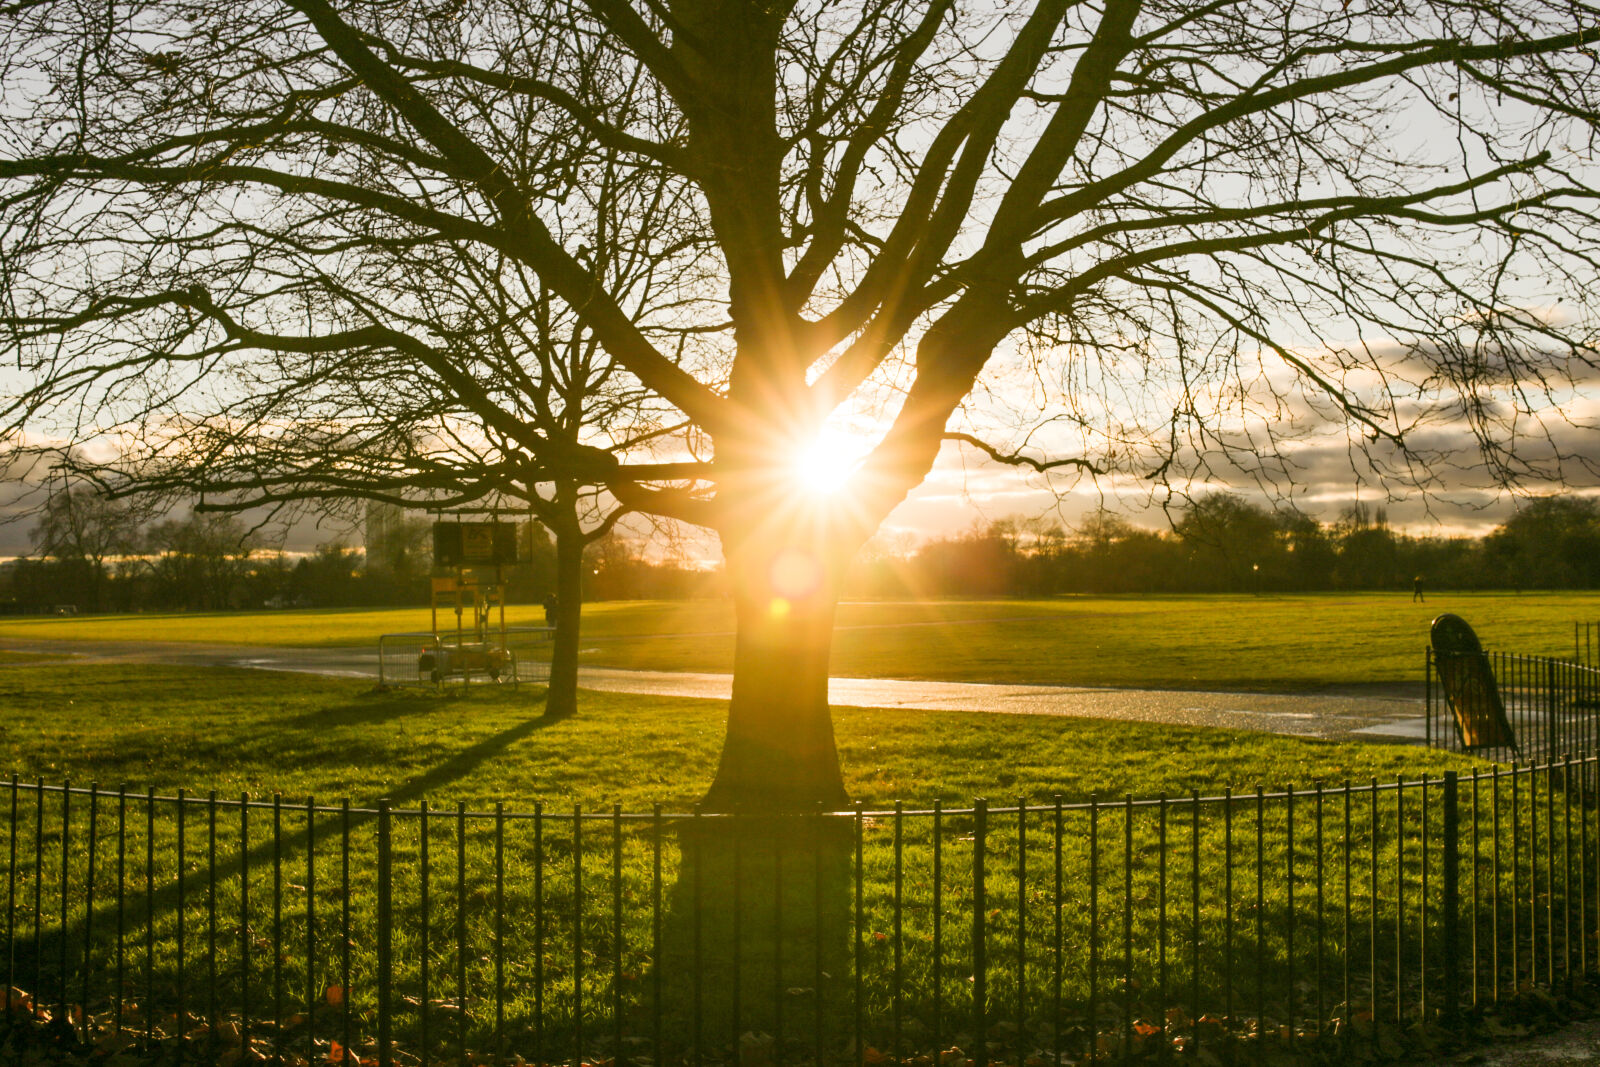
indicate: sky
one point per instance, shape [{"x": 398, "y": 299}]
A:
[
  {"x": 1326, "y": 471},
  {"x": 964, "y": 490},
  {"x": 959, "y": 493}
]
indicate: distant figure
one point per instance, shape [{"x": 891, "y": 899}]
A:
[
  {"x": 550, "y": 609},
  {"x": 1416, "y": 590}
]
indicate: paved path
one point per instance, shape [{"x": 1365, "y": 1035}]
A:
[
  {"x": 1576, "y": 1044},
  {"x": 1392, "y": 713}
]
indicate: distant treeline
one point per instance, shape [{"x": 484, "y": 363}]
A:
[
  {"x": 103, "y": 559},
  {"x": 1223, "y": 543},
  {"x": 1220, "y": 543}
]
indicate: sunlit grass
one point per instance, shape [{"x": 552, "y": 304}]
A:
[
  {"x": 266, "y": 732},
  {"x": 1193, "y": 642},
  {"x": 231, "y": 731}
]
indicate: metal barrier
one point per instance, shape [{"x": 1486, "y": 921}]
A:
[
  {"x": 1552, "y": 707},
  {"x": 1586, "y": 643},
  {"x": 518, "y": 654},
  {"x": 1343, "y": 918}
]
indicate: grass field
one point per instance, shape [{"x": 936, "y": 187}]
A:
[
  {"x": 299, "y": 735},
  {"x": 604, "y": 937},
  {"x": 1197, "y": 642},
  {"x": 729, "y": 901}
]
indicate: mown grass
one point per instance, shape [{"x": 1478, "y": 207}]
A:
[
  {"x": 265, "y": 732},
  {"x": 769, "y": 903},
  {"x": 1194, "y": 642}
]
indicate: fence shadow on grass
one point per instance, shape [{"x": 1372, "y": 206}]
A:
[
  {"x": 249, "y": 836},
  {"x": 1241, "y": 921},
  {"x": 755, "y": 941}
]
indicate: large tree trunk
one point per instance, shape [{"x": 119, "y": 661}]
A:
[
  {"x": 562, "y": 696},
  {"x": 779, "y": 752}
]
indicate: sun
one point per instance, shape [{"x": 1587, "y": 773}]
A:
[{"x": 823, "y": 465}]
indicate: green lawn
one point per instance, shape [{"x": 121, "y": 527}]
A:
[
  {"x": 769, "y": 905},
  {"x": 723, "y": 891},
  {"x": 1270, "y": 642},
  {"x": 266, "y": 732}
]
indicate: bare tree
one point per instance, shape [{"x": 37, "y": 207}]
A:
[
  {"x": 510, "y": 387},
  {"x": 199, "y": 561},
  {"x": 541, "y": 364},
  {"x": 1193, "y": 228},
  {"x": 80, "y": 526}
]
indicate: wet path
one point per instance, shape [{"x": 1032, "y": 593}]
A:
[{"x": 1385, "y": 713}]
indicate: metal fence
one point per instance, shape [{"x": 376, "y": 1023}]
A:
[
  {"x": 1552, "y": 706},
  {"x": 1586, "y": 643},
  {"x": 423, "y": 658},
  {"x": 1099, "y": 930}
]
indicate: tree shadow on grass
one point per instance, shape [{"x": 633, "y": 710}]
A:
[
  {"x": 305, "y": 741},
  {"x": 742, "y": 954},
  {"x": 369, "y": 710},
  {"x": 468, "y": 760},
  {"x": 755, "y": 942},
  {"x": 54, "y": 957}
]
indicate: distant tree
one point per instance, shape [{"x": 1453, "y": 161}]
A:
[
  {"x": 1551, "y": 542},
  {"x": 1229, "y": 541},
  {"x": 623, "y": 566},
  {"x": 613, "y": 567},
  {"x": 271, "y": 580},
  {"x": 1369, "y": 552},
  {"x": 1040, "y": 571},
  {"x": 328, "y": 576},
  {"x": 1449, "y": 562},
  {"x": 1308, "y": 554},
  {"x": 882, "y": 568},
  {"x": 980, "y": 562},
  {"x": 1113, "y": 555},
  {"x": 84, "y": 530},
  {"x": 398, "y": 552},
  {"x": 199, "y": 562}
]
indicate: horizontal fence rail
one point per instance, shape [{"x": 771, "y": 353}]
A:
[
  {"x": 1337, "y": 916},
  {"x": 1551, "y": 706},
  {"x": 423, "y": 658}
]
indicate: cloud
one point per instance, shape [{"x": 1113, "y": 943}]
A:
[{"x": 1320, "y": 465}]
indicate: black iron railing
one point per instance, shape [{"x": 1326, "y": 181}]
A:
[
  {"x": 1586, "y": 643},
  {"x": 1336, "y": 916},
  {"x": 1551, "y": 706}
]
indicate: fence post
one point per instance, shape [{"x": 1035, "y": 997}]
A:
[
  {"x": 1552, "y": 742},
  {"x": 385, "y": 957},
  {"x": 980, "y": 964},
  {"x": 1427, "y": 681},
  {"x": 1452, "y": 898}
]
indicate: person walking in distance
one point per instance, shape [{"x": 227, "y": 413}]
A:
[{"x": 1416, "y": 590}]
